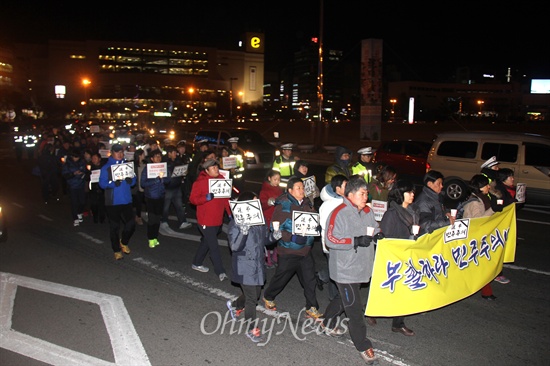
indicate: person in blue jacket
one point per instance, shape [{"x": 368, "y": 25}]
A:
[
  {"x": 118, "y": 202},
  {"x": 155, "y": 190}
]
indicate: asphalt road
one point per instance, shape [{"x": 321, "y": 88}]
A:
[{"x": 65, "y": 301}]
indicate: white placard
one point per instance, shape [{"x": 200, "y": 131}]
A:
[
  {"x": 305, "y": 223},
  {"x": 105, "y": 153},
  {"x": 226, "y": 174},
  {"x": 247, "y": 212},
  {"x": 309, "y": 185},
  {"x": 221, "y": 188},
  {"x": 180, "y": 171},
  {"x": 520, "y": 192},
  {"x": 229, "y": 162},
  {"x": 129, "y": 156},
  {"x": 157, "y": 170},
  {"x": 122, "y": 171},
  {"x": 379, "y": 208},
  {"x": 94, "y": 129},
  {"x": 94, "y": 175}
]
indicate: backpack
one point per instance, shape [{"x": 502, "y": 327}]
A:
[{"x": 461, "y": 205}]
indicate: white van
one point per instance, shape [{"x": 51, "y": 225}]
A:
[{"x": 459, "y": 155}]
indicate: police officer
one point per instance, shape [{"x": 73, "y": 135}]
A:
[
  {"x": 284, "y": 163},
  {"x": 365, "y": 167}
]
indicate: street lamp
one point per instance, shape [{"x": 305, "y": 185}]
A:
[
  {"x": 393, "y": 101},
  {"x": 86, "y": 84},
  {"x": 191, "y": 90},
  {"x": 231, "y": 98},
  {"x": 480, "y": 103}
]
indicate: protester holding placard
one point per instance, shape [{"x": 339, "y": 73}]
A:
[
  {"x": 301, "y": 170},
  {"x": 74, "y": 172},
  {"x": 117, "y": 179},
  {"x": 269, "y": 192},
  {"x": 210, "y": 214},
  {"x": 155, "y": 190},
  {"x": 294, "y": 249},
  {"x": 173, "y": 196},
  {"x": 247, "y": 243}
]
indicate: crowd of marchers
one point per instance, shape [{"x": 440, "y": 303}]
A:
[{"x": 102, "y": 186}]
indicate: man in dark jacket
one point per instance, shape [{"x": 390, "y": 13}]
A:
[
  {"x": 432, "y": 213},
  {"x": 118, "y": 202},
  {"x": 294, "y": 250},
  {"x": 173, "y": 195},
  {"x": 342, "y": 164}
]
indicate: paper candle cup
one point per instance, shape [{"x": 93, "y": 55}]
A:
[
  {"x": 275, "y": 225},
  {"x": 453, "y": 212},
  {"x": 370, "y": 231},
  {"x": 415, "y": 229},
  {"x": 500, "y": 202}
]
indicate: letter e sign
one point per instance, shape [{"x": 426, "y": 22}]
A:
[{"x": 255, "y": 42}]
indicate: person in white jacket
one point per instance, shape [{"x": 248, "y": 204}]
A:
[{"x": 332, "y": 195}]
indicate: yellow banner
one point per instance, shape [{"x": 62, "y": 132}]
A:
[{"x": 440, "y": 268}]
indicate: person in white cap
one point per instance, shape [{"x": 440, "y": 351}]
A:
[
  {"x": 490, "y": 169},
  {"x": 365, "y": 167},
  {"x": 284, "y": 163},
  {"x": 236, "y": 173}
]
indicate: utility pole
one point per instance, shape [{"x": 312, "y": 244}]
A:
[
  {"x": 320, "y": 96},
  {"x": 231, "y": 98}
]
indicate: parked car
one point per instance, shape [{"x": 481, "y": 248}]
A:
[
  {"x": 408, "y": 157},
  {"x": 459, "y": 155},
  {"x": 257, "y": 152}
]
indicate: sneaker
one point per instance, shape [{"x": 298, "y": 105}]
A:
[
  {"x": 80, "y": 217},
  {"x": 255, "y": 335},
  {"x": 269, "y": 305},
  {"x": 185, "y": 225},
  {"x": 152, "y": 243},
  {"x": 235, "y": 313},
  {"x": 223, "y": 276},
  {"x": 200, "y": 268},
  {"x": 157, "y": 242},
  {"x": 125, "y": 248},
  {"x": 118, "y": 256},
  {"x": 76, "y": 222},
  {"x": 332, "y": 332},
  {"x": 502, "y": 279},
  {"x": 313, "y": 313},
  {"x": 368, "y": 356}
]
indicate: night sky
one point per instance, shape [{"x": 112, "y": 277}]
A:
[{"x": 427, "y": 43}]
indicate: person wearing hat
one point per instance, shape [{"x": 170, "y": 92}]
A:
[
  {"x": 365, "y": 167},
  {"x": 490, "y": 169},
  {"x": 118, "y": 203},
  {"x": 342, "y": 164},
  {"x": 285, "y": 162},
  {"x": 236, "y": 173},
  {"x": 210, "y": 215}
]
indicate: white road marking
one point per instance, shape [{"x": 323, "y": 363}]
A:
[
  {"x": 127, "y": 347},
  {"x": 227, "y": 296}
]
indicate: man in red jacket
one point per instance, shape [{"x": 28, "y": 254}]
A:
[{"x": 209, "y": 218}]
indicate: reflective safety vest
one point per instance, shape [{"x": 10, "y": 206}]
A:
[
  {"x": 285, "y": 167},
  {"x": 360, "y": 169}
]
